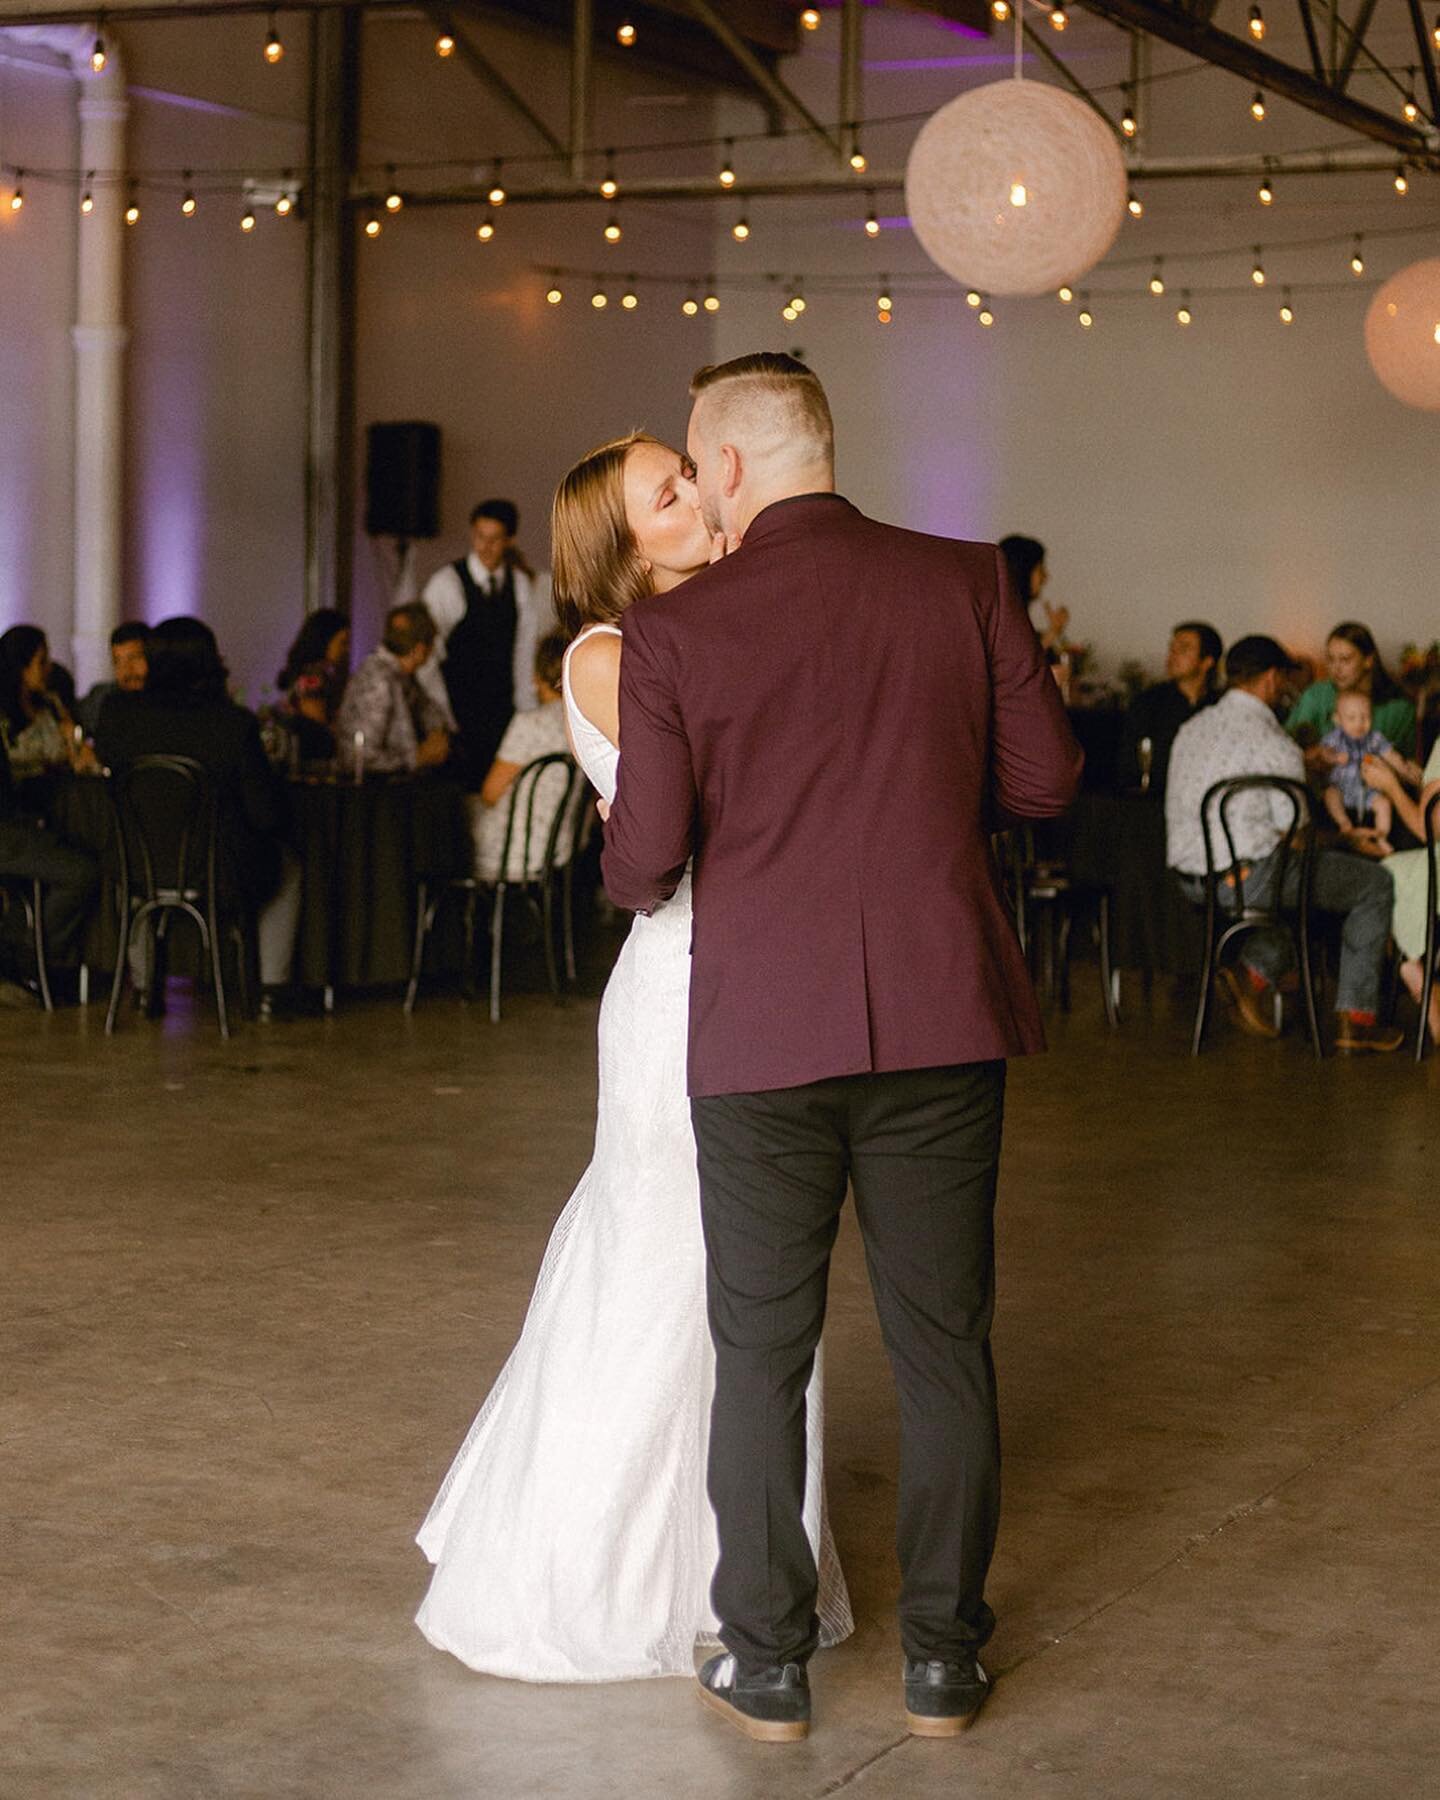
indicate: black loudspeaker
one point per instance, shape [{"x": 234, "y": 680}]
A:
[{"x": 402, "y": 480}]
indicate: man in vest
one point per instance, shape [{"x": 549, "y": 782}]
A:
[{"x": 490, "y": 612}]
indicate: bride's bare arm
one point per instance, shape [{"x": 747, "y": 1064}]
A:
[{"x": 595, "y": 682}]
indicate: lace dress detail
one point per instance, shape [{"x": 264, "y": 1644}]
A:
[{"x": 572, "y": 1538}]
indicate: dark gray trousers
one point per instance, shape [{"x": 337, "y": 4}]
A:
[{"x": 921, "y": 1150}]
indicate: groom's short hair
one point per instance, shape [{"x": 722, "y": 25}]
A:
[{"x": 780, "y": 385}]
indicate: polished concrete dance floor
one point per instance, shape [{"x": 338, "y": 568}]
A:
[{"x": 251, "y": 1295}]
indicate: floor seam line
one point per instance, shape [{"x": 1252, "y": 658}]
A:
[
  {"x": 841, "y": 1782},
  {"x": 1200, "y": 1540}
]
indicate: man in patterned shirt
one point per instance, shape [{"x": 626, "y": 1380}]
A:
[
  {"x": 1241, "y": 735},
  {"x": 404, "y": 729}
]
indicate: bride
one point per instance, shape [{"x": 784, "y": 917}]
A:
[{"x": 572, "y": 1538}]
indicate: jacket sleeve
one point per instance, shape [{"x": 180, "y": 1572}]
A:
[
  {"x": 1035, "y": 762},
  {"x": 650, "y": 831}
]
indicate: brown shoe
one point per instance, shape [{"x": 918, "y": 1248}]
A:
[
  {"x": 1353, "y": 1038},
  {"x": 1252, "y": 1010}
]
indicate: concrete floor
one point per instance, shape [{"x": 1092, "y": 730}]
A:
[{"x": 251, "y": 1296}]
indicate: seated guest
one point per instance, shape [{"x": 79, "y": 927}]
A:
[
  {"x": 185, "y": 710},
  {"x": 1192, "y": 679},
  {"x": 1361, "y": 813},
  {"x": 539, "y": 732},
  {"x": 1408, "y": 872},
  {"x": 404, "y": 728},
  {"x": 127, "y": 660},
  {"x": 313, "y": 682},
  {"x": 1241, "y": 735},
  {"x": 70, "y": 876},
  {"x": 37, "y": 726},
  {"x": 1355, "y": 668}
]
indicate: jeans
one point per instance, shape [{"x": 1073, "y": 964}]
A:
[
  {"x": 1358, "y": 889},
  {"x": 69, "y": 875}
]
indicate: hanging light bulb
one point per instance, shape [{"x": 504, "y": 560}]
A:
[
  {"x": 1287, "y": 312},
  {"x": 554, "y": 295},
  {"x": 613, "y": 233},
  {"x": 188, "y": 203},
  {"x": 497, "y": 195},
  {"x": 1435, "y": 34},
  {"x": 1257, "y": 105},
  {"x": 1065, "y": 295},
  {"x": 87, "y": 199},
  {"x": 1184, "y": 316},
  {"x": 789, "y": 314},
  {"x": 274, "y": 49},
  {"x": 1402, "y": 180},
  {"x": 394, "y": 199},
  {"x": 727, "y": 168},
  {"x": 1000, "y": 10},
  {"x": 987, "y": 318},
  {"x": 247, "y": 220},
  {"x": 883, "y": 301},
  {"x": 1357, "y": 256},
  {"x": 1129, "y": 124},
  {"x": 17, "y": 198},
  {"x": 625, "y": 35},
  {"x": 1135, "y": 206},
  {"x": 599, "y": 299},
  {"x": 485, "y": 230},
  {"x": 1157, "y": 279},
  {"x": 1019, "y": 194},
  {"x": 972, "y": 299},
  {"x": 810, "y": 18},
  {"x": 1257, "y": 24},
  {"x": 1411, "y": 107},
  {"x": 630, "y": 299},
  {"x": 858, "y": 160},
  {"x": 689, "y": 306},
  {"x": 445, "y": 44},
  {"x": 1257, "y": 274},
  {"x": 712, "y": 303},
  {"x": 1058, "y": 16},
  {"x": 872, "y": 224},
  {"x": 99, "y": 55},
  {"x": 1265, "y": 193},
  {"x": 797, "y": 300},
  {"x": 284, "y": 204},
  {"x": 372, "y": 226},
  {"x": 609, "y": 187},
  {"x": 1086, "y": 317},
  {"x": 740, "y": 230},
  {"x": 132, "y": 211}
]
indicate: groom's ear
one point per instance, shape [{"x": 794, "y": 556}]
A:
[{"x": 731, "y": 471}]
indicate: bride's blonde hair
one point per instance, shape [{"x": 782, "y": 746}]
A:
[{"x": 597, "y": 567}]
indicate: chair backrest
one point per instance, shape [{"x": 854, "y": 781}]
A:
[
  {"x": 1219, "y": 814},
  {"x": 1431, "y": 821},
  {"x": 165, "y": 826},
  {"x": 539, "y": 805}
]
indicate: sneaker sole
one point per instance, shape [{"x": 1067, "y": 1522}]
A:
[
  {"x": 920, "y": 1726},
  {"x": 759, "y": 1731}
]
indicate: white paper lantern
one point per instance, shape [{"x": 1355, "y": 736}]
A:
[
  {"x": 1402, "y": 335},
  {"x": 1015, "y": 187}
]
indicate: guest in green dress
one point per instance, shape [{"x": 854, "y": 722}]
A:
[
  {"x": 1408, "y": 871},
  {"x": 1355, "y": 667}
]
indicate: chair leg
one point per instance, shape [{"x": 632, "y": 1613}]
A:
[
  {"x": 567, "y": 902},
  {"x": 1427, "y": 988},
  {"x": 422, "y": 904},
  {"x": 122, "y": 964},
  {"x": 468, "y": 988},
  {"x": 215, "y": 944},
  {"x": 1307, "y": 986},
  {"x": 84, "y": 984},
  {"x": 547, "y": 925},
  {"x": 1207, "y": 982},
  {"x": 1107, "y": 973},
  {"x": 497, "y": 929},
  {"x": 37, "y": 925},
  {"x": 1064, "y": 930}
]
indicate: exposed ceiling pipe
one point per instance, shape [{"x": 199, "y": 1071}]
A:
[{"x": 99, "y": 336}]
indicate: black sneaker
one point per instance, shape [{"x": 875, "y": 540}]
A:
[
  {"x": 942, "y": 1698},
  {"x": 772, "y": 1705}
]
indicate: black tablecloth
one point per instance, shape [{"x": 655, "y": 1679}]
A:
[
  {"x": 1099, "y": 730},
  {"x": 1117, "y": 841},
  {"x": 363, "y": 850}
]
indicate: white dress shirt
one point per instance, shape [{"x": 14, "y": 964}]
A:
[
  {"x": 444, "y": 598},
  {"x": 1239, "y": 735}
]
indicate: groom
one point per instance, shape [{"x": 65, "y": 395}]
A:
[{"x": 826, "y": 721}]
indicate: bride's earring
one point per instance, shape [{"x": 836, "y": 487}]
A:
[{"x": 648, "y": 567}]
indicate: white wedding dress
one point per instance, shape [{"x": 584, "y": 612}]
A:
[{"x": 572, "y": 1538}]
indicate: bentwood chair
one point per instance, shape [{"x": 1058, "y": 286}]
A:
[
  {"x": 1230, "y": 913},
  {"x": 29, "y": 895},
  {"x": 167, "y": 829},
  {"x": 1045, "y": 898},
  {"x": 544, "y": 855},
  {"x": 1431, "y": 822}
]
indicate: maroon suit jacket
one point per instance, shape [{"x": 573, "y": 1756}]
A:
[{"x": 825, "y": 720}]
